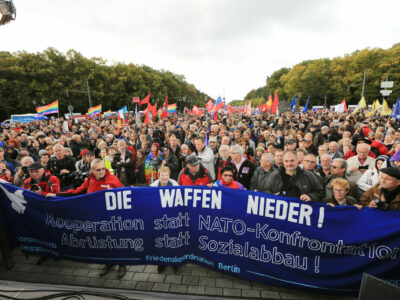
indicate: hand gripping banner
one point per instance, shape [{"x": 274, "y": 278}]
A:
[{"x": 251, "y": 235}]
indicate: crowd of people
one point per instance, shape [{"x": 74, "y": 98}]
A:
[{"x": 322, "y": 156}]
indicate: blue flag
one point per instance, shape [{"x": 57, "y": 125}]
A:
[
  {"x": 293, "y": 104},
  {"x": 306, "y": 107},
  {"x": 396, "y": 110}
]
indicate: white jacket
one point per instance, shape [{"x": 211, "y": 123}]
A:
[
  {"x": 353, "y": 161},
  {"x": 369, "y": 179},
  {"x": 207, "y": 160}
]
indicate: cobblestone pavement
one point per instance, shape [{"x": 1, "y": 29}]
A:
[{"x": 188, "y": 280}]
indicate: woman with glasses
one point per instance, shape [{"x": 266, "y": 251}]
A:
[
  {"x": 227, "y": 179},
  {"x": 340, "y": 188}
]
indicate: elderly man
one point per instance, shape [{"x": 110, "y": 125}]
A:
[
  {"x": 325, "y": 169},
  {"x": 22, "y": 174},
  {"x": 321, "y": 137},
  {"x": 40, "y": 182},
  {"x": 61, "y": 166},
  {"x": 262, "y": 173},
  {"x": 222, "y": 161},
  {"x": 357, "y": 165},
  {"x": 99, "y": 179},
  {"x": 386, "y": 194},
  {"x": 292, "y": 181},
  {"x": 334, "y": 151},
  {"x": 194, "y": 173},
  {"x": 244, "y": 169},
  {"x": 338, "y": 170},
  {"x": 206, "y": 155}
]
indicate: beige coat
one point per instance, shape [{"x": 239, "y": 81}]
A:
[{"x": 353, "y": 161}]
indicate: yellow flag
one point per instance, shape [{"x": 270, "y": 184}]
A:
[
  {"x": 360, "y": 105},
  {"x": 386, "y": 111},
  {"x": 375, "y": 106}
]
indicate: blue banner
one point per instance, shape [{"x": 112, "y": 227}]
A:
[{"x": 255, "y": 236}]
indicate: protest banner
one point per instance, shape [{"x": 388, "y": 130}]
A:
[{"x": 251, "y": 235}]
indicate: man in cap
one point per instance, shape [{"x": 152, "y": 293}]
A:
[
  {"x": 291, "y": 145},
  {"x": 213, "y": 144},
  {"x": 40, "y": 181},
  {"x": 194, "y": 173},
  {"x": 384, "y": 195}
]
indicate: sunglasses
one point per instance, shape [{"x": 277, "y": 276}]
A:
[{"x": 227, "y": 175}]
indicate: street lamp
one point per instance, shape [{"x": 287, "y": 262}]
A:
[
  {"x": 7, "y": 11},
  {"x": 357, "y": 84},
  {"x": 84, "y": 92}
]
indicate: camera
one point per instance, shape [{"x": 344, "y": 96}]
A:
[
  {"x": 117, "y": 157},
  {"x": 25, "y": 171},
  {"x": 78, "y": 177},
  {"x": 34, "y": 188},
  {"x": 381, "y": 204},
  {"x": 2, "y": 171}
]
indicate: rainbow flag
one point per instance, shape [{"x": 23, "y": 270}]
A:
[
  {"x": 108, "y": 113},
  {"x": 172, "y": 108},
  {"x": 95, "y": 110},
  {"x": 51, "y": 108}
]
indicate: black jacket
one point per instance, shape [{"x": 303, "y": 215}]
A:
[
  {"x": 303, "y": 181},
  {"x": 129, "y": 169},
  {"x": 245, "y": 173}
]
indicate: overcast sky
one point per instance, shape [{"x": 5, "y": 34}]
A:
[{"x": 220, "y": 46}]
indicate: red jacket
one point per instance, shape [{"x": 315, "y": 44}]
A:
[
  {"x": 202, "y": 179},
  {"x": 91, "y": 185},
  {"x": 48, "y": 184}
]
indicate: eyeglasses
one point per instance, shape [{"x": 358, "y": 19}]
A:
[
  {"x": 310, "y": 161},
  {"x": 227, "y": 175},
  {"x": 101, "y": 169},
  {"x": 335, "y": 167},
  {"x": 339, "y": 190}
]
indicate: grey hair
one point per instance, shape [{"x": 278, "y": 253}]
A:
[
  {"x": 343, "y": 162},
  {"x": 58, "y": 146},
  {"x": 95, "y": 162},
  {"x": 363, "y": 144},
  {"x": 27, "y": 159},
  {"x": 269, "y": 157},
  {"x": 238, "y": 148}
]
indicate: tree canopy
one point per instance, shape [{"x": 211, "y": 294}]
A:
[
  {"x": 335, "y": 79},
  {"x": 29, "y": 80}
]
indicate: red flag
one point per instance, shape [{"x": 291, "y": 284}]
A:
[
  {"x": 268, "y": 105},
  {"x": 135, "y": 99},
  {"x": 275, "y": 103},
  {"x": 164, "y": 112},
  {"x": 344, "y": 104},
  {"x": 119, "y": 122},
  {"x": 145, "y": 100},
  {"x": 197, "y": 111},
  {"x": 210, "y": 106},
  {"x": 230, "y": 109},
  {"x": 150, "y": 109}
]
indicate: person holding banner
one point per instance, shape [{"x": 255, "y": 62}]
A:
[
  {"x": 194, "y": 173},
  {"x": 40, "y": 181},
  {"x": 164, "y": 179},
  {"x": 293, "y": 181},
  {"x": 340, "y": 188},
  {"x": 227, "y": 181},
  {"x": 99, "y": 179}
]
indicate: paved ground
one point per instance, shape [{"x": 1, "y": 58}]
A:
[{"x": 187, "y": 280}]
